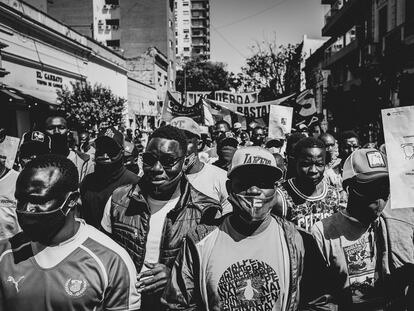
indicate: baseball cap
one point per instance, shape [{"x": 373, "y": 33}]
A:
[
  {"x": 237, "y": 125},
  {"x": 257, "y": 157},
  {"x": 365, "y": 165},
  {"x": 111, "y": 135},
  {"x": 34, "y": 143},
  {"x": 187, "y": 124}
]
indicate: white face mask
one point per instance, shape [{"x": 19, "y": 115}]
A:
[{"x": 253, "y": 208}]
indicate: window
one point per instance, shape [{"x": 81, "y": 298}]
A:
[
  {"x": 186, "y": 40},
  {"x": 383, "y": 21},
  {"x": 170, "y": 44},
  {"x": 186, "y": 30},
  {"x": 113, "y": 43},
  {"x": 114, "y": 23},
  {"x": 112, "y": 2},
  {"x": 186, "y": 22},
  {"x": 186, "y": 49},
  {"x": 186, "y": 12},
  {"x": 170, "y": 23},
  {"x": 186, "y": 3}
]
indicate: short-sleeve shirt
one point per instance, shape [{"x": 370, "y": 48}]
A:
[
  {"x": 87, "y": 272},
  {"x": 211, "y": 181},
  {"x": 305, "y": 210},
  {"x": 350, "y": 251},
  {"x": 248, "y": 272}
]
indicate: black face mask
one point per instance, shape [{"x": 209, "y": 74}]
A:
[
  {"x": 107, "y": 168},
  {"x": 42, "y": 226},
  {"x": 59, "y": 143}
]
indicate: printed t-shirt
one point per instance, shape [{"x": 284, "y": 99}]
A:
[
  {"x": 350, "y": 250},
  {"x": 305, "y": 210},
  {"x": 8, "y": 218},
  {"x": 87, "y": 272},
  {"x": 211, "y": 181},
  {"x": 248, "y": 273},
  {"x": 159, "y": 210}
]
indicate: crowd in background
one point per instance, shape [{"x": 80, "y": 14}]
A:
[{"x": 190, "y": 218}]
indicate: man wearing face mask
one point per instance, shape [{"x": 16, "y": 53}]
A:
[
  {"x": 206, "y": 178},
  {"x": 110, "y": 173},
  {"x": 58, "y": 262},
  {"x": 247, "y": 262},
  {"x": 56, "y": 127},
  {"x": 150, "y": 218},
  {"x": 356, "y": 243},
  {"x": 258, "y": 136},
  {"x": 226, "y": 147}
]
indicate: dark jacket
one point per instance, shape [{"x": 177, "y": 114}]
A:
[
  {"x": 187, "y": 291},
  {"x": 130, "y": 218},
  {"x": 96, "y": 189}
]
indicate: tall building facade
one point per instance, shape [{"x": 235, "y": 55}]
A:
[
  {"x": 192, "y": 29},
  {"x": 129, "y": 27},
  {"x": 368, "y": 62}
]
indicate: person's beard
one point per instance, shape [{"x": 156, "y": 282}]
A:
[{"x": 59, "y": 144}]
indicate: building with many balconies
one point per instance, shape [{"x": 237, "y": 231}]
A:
[{"x": 192, "y": 20}]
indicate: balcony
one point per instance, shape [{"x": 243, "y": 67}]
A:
[
  {"x": 343, "y": 14},
  {"x": 332, "y": 56}
]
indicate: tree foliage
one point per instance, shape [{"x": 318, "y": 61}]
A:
[
  {"x": 87, "y": 106},
  {"x": 275, "y": 69},
  {"x": 202, "y": 75}
]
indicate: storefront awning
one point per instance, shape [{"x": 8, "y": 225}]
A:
[
  {"x": 26, "y": 98},
  {"x": 11, "y": 97}
]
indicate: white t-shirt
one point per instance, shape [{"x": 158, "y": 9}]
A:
[
  {"x": 159, "y": 210},
  {"x": 253, "y": 273},
  {"x": 211, "y": 181},
  {"x": 8, "y": 218}
]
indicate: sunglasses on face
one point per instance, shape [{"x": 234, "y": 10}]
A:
[{"x": 166, "y": 161}]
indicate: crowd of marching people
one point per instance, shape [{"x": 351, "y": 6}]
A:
[{"x": 188, "y": 218}]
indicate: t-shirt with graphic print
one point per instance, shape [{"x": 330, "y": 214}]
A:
[
  {"x": 305, "y": 210},
  {"x": 350, "y": 251},
  {"x": 248, "y": 273}
]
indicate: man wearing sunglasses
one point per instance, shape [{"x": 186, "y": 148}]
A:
[
  {"x": 58, "y": 262},
  {"x": 205, "y": 177},
  {"x": 354, "y": 242},
  {"x": 253, "y": 260},
  {"x": 151, "y": 218}
]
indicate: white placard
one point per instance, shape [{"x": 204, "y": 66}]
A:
[
  {"x": 280, "y": 116},
  {"x": 399, "y": 142},
  {"x": 8, "y": 150}
]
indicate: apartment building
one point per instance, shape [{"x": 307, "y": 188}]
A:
[{"x": 192, "y": 29}]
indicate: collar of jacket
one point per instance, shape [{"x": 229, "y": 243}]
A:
[{"x": 189, "y": 197}]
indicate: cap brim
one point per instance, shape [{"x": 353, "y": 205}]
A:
[
  {"x": 107, "y": 142},
  {"x": 369, "y": 177},
  {"x": 257, "y": 169}
]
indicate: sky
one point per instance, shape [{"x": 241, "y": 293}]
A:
[{"x": 237, "y": 24}]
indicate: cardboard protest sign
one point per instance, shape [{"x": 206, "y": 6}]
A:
[
  {"x": 399, "y": 142},
  {"x": 8, "y": 150},
  {"x": 280, "y": 117}
]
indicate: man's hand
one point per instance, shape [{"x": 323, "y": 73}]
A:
[{"x": 154, "y": 279}]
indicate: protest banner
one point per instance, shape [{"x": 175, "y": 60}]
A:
[
  {"x": 236, "y": 98},
  {"x": 255, "y": 110},
  {"x": 280, "y": 117},
  {"x": 399, "y": 142},
  {"x": 8, "y": 150},
  {"x": 173, "y": 108},
  {"x": 193, "y": 98}
]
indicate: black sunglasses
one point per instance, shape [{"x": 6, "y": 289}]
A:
[{"x": 167, "y": 161}]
